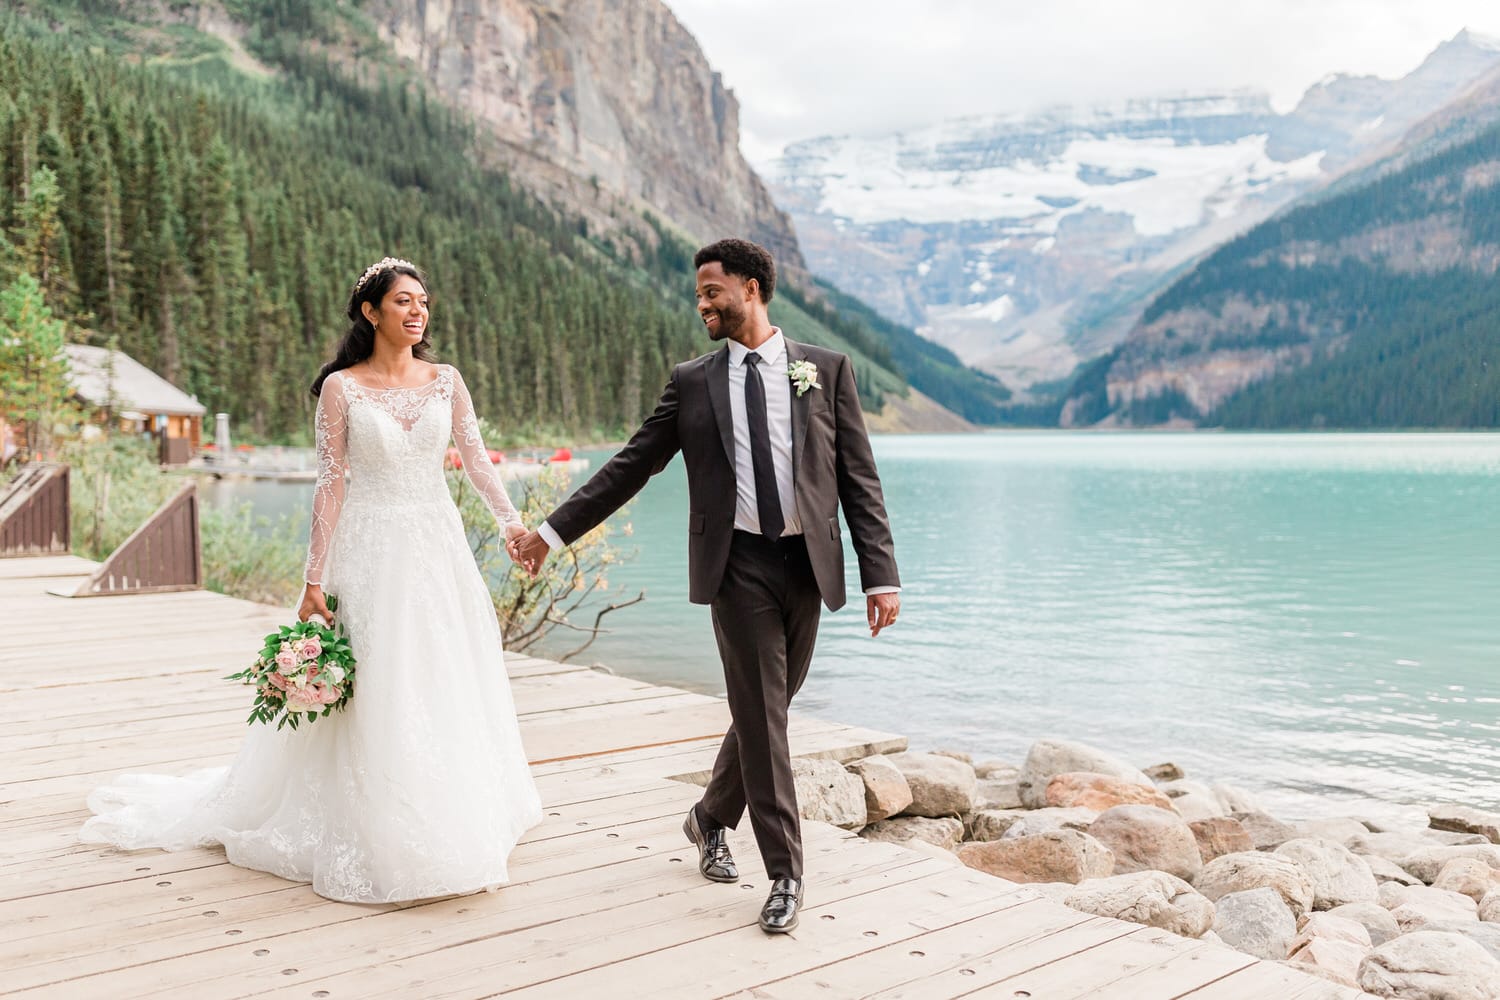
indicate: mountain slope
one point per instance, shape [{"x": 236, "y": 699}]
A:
[
  {"x": 1374, "y": 307},
  {"x": 1029, "y": 244}
]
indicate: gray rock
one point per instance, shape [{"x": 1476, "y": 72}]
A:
[
  {"x": 967, "y": 758},
  {"x": 1462, "y": 819},
  {"x": 1487, "y": 936},
  {"x": 1146, "y": 838},
  {"x": 1396, "y": 845},
  {"x": 1266, "y": 831},
  {"x": 827, "y": 793},
  {"x": 1196, "y": 808},
  {"x": 1236, "y": 800},
  {"x": 1489, "y": 906},
  {"x": 1413, "y": 907},
  {"x": 1377, "y": 920},
  {"x": 1254, "y": 870},
  {"x": 1339, "y": 828},
  {"x": 1427, "y": 863},
  {"x": 1333, "y": 928},
  {"x": 885, "y": 788},
  {"x": 1338, "y": 961},
  {"x": 1257, "y": 922},
  {"x": 1338, "y": 876},
  {"x": 1060, "y": 856},
  {"x": 1164, "y": 772},
  {"x": 1388, "y": 871},
  {"x": 940, "y": 786},
  {"x": 997, "y": 793},
  {"x": 945, "y": 832},
  {"x": 1430, "y": 965},
  {"x": 996, "y": 770},
  {"x": 1155, "y": 899},
  {"x": 1035, "y": 821},
  {"x": 1048, "y": 758}
]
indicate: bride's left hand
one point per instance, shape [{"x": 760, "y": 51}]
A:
[{"x": 513, "y": 534}]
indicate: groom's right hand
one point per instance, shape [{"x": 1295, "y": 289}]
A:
[{"x": 529, "y": 551}]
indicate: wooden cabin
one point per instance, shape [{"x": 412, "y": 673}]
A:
[{"x": 141, "y": 401}]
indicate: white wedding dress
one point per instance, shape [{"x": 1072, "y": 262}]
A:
[{"x": 420, "y": 786}]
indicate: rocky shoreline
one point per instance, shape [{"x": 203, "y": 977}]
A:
[{"x": 1396, "y": 910}]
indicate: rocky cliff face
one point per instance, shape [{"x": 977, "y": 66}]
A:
[{"x": 596, "y": 96}]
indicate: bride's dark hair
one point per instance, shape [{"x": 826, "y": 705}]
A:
[{"x": 359, "y": 340}]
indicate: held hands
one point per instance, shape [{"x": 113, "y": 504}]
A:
[
  {"x": 314, "y": 603},
  {"x": 526, "y": 549},
  {"x": 881, "y": 611}
]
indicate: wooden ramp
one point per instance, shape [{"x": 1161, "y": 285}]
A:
[{"x": 606, "y": 899}]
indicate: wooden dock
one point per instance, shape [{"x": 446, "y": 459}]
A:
[{"x": 606, "y": 899}]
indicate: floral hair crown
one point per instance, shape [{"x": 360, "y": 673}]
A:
[{"x": 383, "y": 264}]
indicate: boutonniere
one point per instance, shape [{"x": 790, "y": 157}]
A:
[{"x": 804, "y": 375}]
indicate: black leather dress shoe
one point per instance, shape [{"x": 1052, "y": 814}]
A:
[
  {"x": 779, "y": 915},
  {"x": 714, "y": 859}
]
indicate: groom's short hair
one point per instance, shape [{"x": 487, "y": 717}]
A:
[{"x": 742, "y": 259}]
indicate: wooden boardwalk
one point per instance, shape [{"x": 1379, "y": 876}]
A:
[{"x": 606, "y": 899}]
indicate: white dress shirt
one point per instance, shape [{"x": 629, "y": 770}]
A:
[{"x": 778, "y": 422}]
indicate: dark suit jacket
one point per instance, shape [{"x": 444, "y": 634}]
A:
[{"x": 831, "y": 465}]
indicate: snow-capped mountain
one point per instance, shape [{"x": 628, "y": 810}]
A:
[{"x": 1029, "y": 243}]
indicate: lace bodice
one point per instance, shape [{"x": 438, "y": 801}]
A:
[{"x": 386, "y": 447}]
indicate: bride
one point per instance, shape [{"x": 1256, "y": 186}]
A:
[{"x": 420, "y": 786}]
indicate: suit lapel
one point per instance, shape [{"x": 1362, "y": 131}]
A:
[
  {"x": 801, "y": 409},
  {"x": 717, "y": 373}
]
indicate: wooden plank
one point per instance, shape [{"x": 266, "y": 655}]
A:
[
  {"x": 1106, "y": 965},
  {"x": 1271, "y": 979},
  {"x": 42, "y": 567}
]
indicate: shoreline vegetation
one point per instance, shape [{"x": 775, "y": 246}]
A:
[{"x": 1396, "y": 909}]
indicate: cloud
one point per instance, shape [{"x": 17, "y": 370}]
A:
[{"x": 803, "y": 68}]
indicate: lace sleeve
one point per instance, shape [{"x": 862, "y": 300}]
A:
[
  {"x": 476, "y": 458},
  {"x": 330, "y": 432}
]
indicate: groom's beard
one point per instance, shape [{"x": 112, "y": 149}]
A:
[{"x": 729, "y": 321}]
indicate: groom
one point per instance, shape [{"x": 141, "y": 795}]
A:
[{"x": 774, "y": 442}]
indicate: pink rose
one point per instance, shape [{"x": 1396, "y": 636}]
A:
[
  {"x": 302, "y": 699},
  {"x": 278, "y": 680},
  {"x": 328, "y": 694},
  {"x": 286, "y": 659},
  {"x": 311, "y": 648}
]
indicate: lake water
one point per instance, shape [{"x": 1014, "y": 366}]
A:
[{"x": 1313, "y": 617}]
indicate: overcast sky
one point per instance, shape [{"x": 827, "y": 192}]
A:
[{"x": 804, "y": 68}]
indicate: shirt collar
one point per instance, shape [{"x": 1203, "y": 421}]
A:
[{"x": 772, "y": 352}]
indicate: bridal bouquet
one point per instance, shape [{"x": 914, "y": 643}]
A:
[{"x": 304, "y": 671}]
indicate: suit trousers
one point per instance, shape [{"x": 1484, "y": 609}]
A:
[{"x": 765, "y": 619}]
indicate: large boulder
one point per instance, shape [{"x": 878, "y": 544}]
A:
[
  {"x": 1101, "y": 792},
  {"x": 1388, "y": 871},
  {"x": 1220, "y": 835},
  {"x": 1339, "y": 828},
  {"x": 1470, "y": 876},
  {"x": 1034, "y": 821},
  {"x": 940, "y": 785},
  {"x": 1254, "y": 870},
  {"x": 996, "y": 770},
  {"x": 1234, "y": 799},
  {"x": 1146, "y": 838},
  {"x": 997, "y": 793},
  {"x": 1266, "y": 831},
  {"x": 827, "y": 793},
  {"x": 1462, "y": 819},
  {"x": 1427, "y": 862},
  {"x": 1338, "y": 876},
  {"x": 1060, "y": 856},
  {"x": 1048, "y": 758},
  {"x": 944, "y": 831},
  {"x": 1331, "y": 946},
  {"x": 1397, "y": 845},
  {"x": 1193, "y": 799},
  {"x": 1418, "y": 905},
  {"x": 1377, "y": 920},
  {"x": 886, "y": 790},
  {"x": 1430, "y": 965},
  {"x": 1152, "y": 898},
  {"x": 1489, "y": 906},
  {"x": 1487, "y": 936},
  {"x": 1257, "y": 922}
]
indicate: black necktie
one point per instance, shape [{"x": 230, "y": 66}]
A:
[{"x": 767, "y": 500}]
